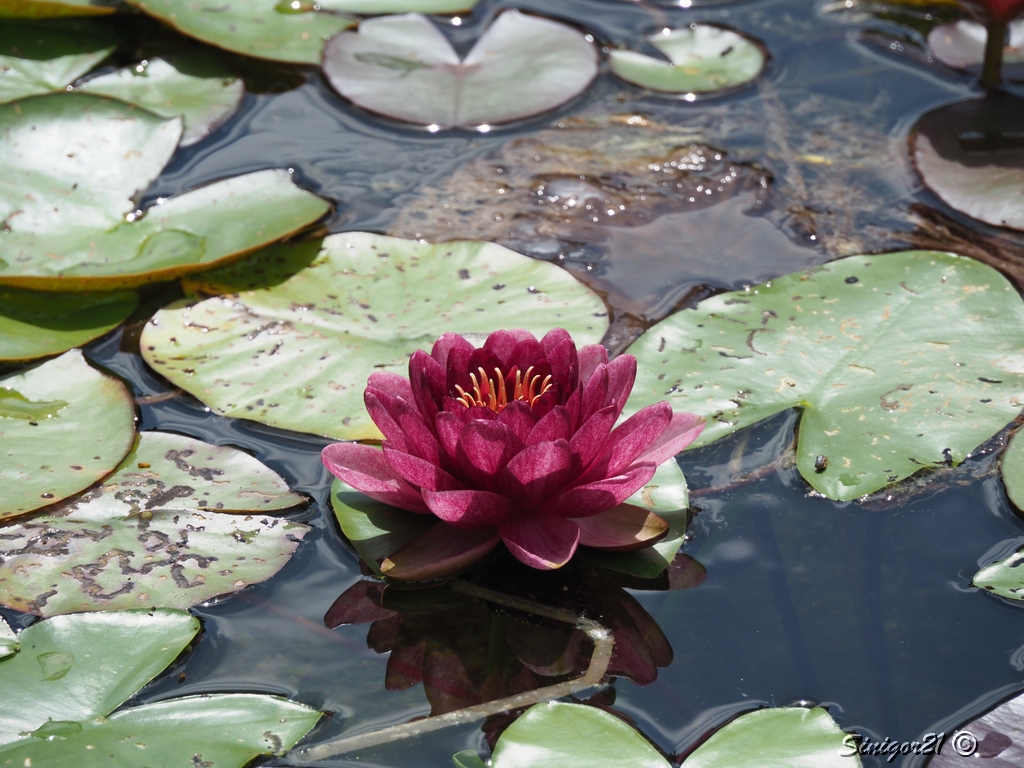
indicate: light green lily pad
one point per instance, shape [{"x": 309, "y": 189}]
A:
[
  {"x": 9, "y": 643},
  {"x": 198, "y": 88},
  {"x": 783, "y": 737},
  {"x": 374, "y": 7},
  {"x": 63, "y": 426},
  {"x": 74, "y": 668},
  {"x": 403, "y": 67},
  {"x": 702, "y": 58},
  {"x": 36, "y": 324},
  {"x": 153, "y": 533},
  {"x": 73, "y": 671},
  {"x": 1003, "y": 577},
  {"x": 41, "y": 57},
  {"x": 223, "y": 730},
  {"x": 297, "y": 355},
  {"x": 267, "y": 29},
  {"x": 71, "y": 223},
  {"x": 47, "y": 9},
  {"x": 557, "y": 735},
  {"x": 667, "y": 496},
  {"x": 899, "y": 361}
]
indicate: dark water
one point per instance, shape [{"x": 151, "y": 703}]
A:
[{"x": 863, "y": 608}]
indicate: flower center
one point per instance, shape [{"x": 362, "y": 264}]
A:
[{"x": 492, "y": 392}]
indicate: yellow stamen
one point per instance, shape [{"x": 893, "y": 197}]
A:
[{"x": 493, "y": 393}]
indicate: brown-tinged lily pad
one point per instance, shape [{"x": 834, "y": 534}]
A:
[
  {"x": 961, "y": 45},
  {"x": 71, "y": 224},
  {"x": 971, "y": 154},
  {"x": 48, "y": 9},
  {"x": 403, "y": 67},
  {"x": 153, "y": 534},
  {"x": 297, "y": 355},
  {"x": 63, "y": 426},
  {"x": 995, "y": 738}
]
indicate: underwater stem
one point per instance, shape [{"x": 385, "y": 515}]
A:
[{"x": 992, "y": 69}]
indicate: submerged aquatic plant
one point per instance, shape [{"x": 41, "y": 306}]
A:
[
  {"x": 513, "y": 442},
  {"x": 995, "y": 15}
]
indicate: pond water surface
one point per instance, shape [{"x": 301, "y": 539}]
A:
[{"x": 862, "y": 607}]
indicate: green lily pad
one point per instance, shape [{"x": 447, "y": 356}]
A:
[
  {"x": 9, "y": 644},
  {"x": 374, "y": 7},
  {"x": 278, "y": 30},
  {"x": 48, "y": 9},
  {"x": 969, "y": 154},
  {"x": 63, "y": 426},
  {"x": 1013, "y": 470},
  {"x": 73, "y": 671},
  {"x": 1003, "y": 577},
  {"x": 71, "y": 224},
  {"x": 666, "y": 495},
  {"x": 36, "y": 324},
  {"x": 375, "y": 529},
  {"x": 41, "y": 57},
  {"x": 74, "y": 668},
  {"x": 297, "y": 355},
  {"x": 899, "y": 361},
  {"x": 702, "y": 58},
  {"x": 557, "y": 735},
  {"x": 153, "y": 533},
  {"x": 403, "y": 67},
  {"x": 198, "y": 88},
  {"x": 782, "y": 737}
]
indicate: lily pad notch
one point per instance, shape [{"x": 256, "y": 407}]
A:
[{"x": 403, "y": 67}]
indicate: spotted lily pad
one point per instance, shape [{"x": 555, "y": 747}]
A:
[
  {"x": 41, "y": 57},
  {"x": 293, "y": 31},
  {"x": 403, "y": 67},
  {"x": 47, "y": 9},
  {"x": 781, "y": 737},
  {"x": 297, "y": 355},
  {"x": 63, "y": 426},
  {"x": 1013, "y": 470},
  {"x": 961, "y": 44},
  {"x": 558, "y": 735},
  {"x": 702, "y": 58},
  {"x": 199, "y": 89},
  {"x": 153, "y": 533},
  {"x": 970, "y": 154},
  {"x": 899, "y": 361},
  {"x": 9, "y": 644},
  {"x": 36, "y": 324},
  {"x": 73, "y": 671},
  {"x": 70, "y": 224}
]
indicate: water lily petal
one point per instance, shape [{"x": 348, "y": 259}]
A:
[
  {"x": 452, "y": 350},
  {"x": 503, "y": 343},
  {"x": 382, "y": 409},
  {"x": 621, "y": 376},
  {"x": 392, "y": 383},
  {"x": 469, "y": 509},
  {"x": 428, "y": 383},
  {"x": 622, "y": 528},
  {"x": 405, "y": 664},
  {"x": 383, "y": 634},
  {"x": 520, "y": 418},
  {"x": 448, "y": 426},
  {"x": 629, "y": 440},
  {"x": 563, "y": 359},
  {"x": 589, "y": 441},
  {"x": 365, "y": 469},
  {"x": 590, "y": 357},
  {"x": 427, "y": 475},
  {"x": 419, "y": 438},
  {"x": 536, "y": 473},
  {"x": 359, "y": 604},
  {"x": 681, "y": 431},
  {"x": 441, "y": 551},
  {"x": 539, "y": 541},
  {"x": 597, "y": 496},
  {"x": 595, "y": 393},
  {"x": 484, "y": 449},
  {"x": 555, "y": 425}
]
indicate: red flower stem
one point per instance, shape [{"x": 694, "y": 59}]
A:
[
  {"x": 992, "y": 69},
  {"x": 603, "y": 645}
]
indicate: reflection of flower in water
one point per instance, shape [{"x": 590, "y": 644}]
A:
[
  {"x": 514, "y": 442},
  {"x": 466, "y": 651}
]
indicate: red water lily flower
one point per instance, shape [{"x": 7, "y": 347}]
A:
[{"x": 513, "y": 442}]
